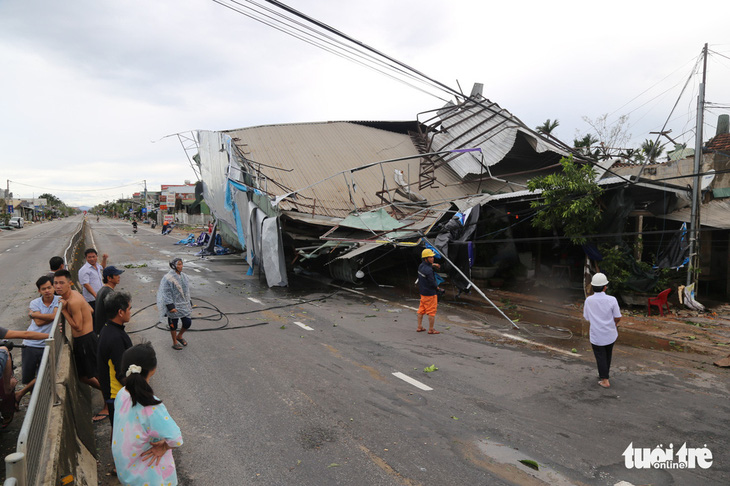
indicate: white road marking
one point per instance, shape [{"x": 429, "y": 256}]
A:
[
  {"x": 195, "y": 269},
  {"x": 413, "y": 382},
  {"x": 523, "y": 340},
  {"x": 358, "y": 292},
  {"x": 257, "y": 301},
  {"x": 409, "y": 307},
  {"x": 219, "y": 282},
  {"x": 303, "y": 326}
]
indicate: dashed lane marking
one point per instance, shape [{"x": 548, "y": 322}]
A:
[
  {"x": 413, "y": 382},
  {"x": 257, "y": 301},
  {"x": 303, "y": 326},
  {"x": 409, "y": 307},
  {"x": 196, "y": 270},
  {"x": 219, "y": 282}
]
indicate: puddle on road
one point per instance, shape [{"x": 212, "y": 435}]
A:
[
  {"x": 144, "y": 278},
  {"x": 505, "y": 462}
]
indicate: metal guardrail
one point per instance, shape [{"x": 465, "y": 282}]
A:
[
  {"x": 23, "y": 466},
  {"x": 25, "y": 463}
]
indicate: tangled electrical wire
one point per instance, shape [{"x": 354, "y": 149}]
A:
[{"x": 217, "y": 315}]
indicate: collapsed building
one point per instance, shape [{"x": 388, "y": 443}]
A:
[
  {"x": 343, "y": 194},
  {"x": 339, "y": 190}
]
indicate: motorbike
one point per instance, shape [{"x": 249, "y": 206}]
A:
[{"x": 134, "y": 227}]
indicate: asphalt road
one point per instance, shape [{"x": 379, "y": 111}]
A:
[{"x": 267, "y": 401}]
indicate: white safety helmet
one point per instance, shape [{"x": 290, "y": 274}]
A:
[{"x": 599, "y": 280}]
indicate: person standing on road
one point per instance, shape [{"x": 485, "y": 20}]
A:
[
  {"x": 602, "y": 312},
  {"x": 78, "y": 315},
  {"x": 42, "y": 312},
  {"x": 113, "y": 342},
  {"x": 144, "y": 434},
  {"x": 90, "y": 276},
  {"x": 111, "y": 277},
  {"x": 173, "y": 302},
  {"x": 429, "y": 290}
]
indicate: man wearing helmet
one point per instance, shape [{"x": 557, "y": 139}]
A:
[
  {"x": 603, "y": 313},
  {"x": 429, "y": 290}
]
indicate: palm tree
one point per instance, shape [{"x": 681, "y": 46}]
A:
[
  {"x": 584, "y": 145},
  {"x": 652, "y": 149},
  {"x": 547, "y": 127}
]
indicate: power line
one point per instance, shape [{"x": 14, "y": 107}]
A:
[
  {"x": 66, "y": 189},
  {"x": 300, "y": 31}
]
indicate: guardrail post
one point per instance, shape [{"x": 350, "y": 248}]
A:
[
  {"x": 50, "y": 343},
  {"x": 15, "y": 467}
]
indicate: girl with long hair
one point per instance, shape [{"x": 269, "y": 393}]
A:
[{"x": 144, "y": 433}]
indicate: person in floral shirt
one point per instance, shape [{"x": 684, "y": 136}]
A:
[{"x": 144, "y": 432}]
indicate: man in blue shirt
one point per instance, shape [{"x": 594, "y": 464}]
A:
[{"x": 42, "y": 312}]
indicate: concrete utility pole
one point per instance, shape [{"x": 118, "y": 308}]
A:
[{"x": 696, "y": 190}]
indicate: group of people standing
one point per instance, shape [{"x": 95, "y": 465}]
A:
[
  {"x": 600, "y": 310},
  {"x": 143, "y": 433}
]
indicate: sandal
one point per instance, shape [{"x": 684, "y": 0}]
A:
[
  {"x": 99, "y": 417},
  {"x": 176, "y": 346},
  {"x": 431, "y": 331},
  {"x": 182, "y": 341},
  {"x": 421, "y": 330}
]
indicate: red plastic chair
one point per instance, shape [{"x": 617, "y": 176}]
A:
[{"x": 659, "y": 301}]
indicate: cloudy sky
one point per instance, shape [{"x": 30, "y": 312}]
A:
[{"x": 90, "y": 88}]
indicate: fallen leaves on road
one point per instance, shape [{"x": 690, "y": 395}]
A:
[{"x": 530, "y": 463}]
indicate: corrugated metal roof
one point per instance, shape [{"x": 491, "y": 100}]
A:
[
  {"x": 715, "y": 214},
  {"x": 312, "y": 152},
  {"x": 487, "y": 126}
]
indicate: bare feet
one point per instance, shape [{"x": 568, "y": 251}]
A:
[{"x": 604, "y": 383}]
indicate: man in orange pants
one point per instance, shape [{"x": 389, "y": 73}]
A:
[{"x": 429, "y": 290}]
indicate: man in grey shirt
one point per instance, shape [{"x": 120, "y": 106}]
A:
[{"x": 90, "y": 276}]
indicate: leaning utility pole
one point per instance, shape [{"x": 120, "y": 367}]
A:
[{"x": 694, "y": 231}]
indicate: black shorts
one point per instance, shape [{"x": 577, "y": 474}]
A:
[
  {"x": 85, "y": 355},
  {"x": 186, "y": 323},
  {"x": 31, "y": 359}
]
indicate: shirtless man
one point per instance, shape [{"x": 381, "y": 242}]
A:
[{"x": 78, "y": 315}]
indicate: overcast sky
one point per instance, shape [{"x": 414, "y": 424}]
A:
[{"x": 89, "y": 85}]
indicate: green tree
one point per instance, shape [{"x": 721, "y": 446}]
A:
[
  {"x": 548, "y": 127},
  {"x": 585, "y": 146},
  {"x": 652, "y": 150},
  {"x": 569, "y": 201}
]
